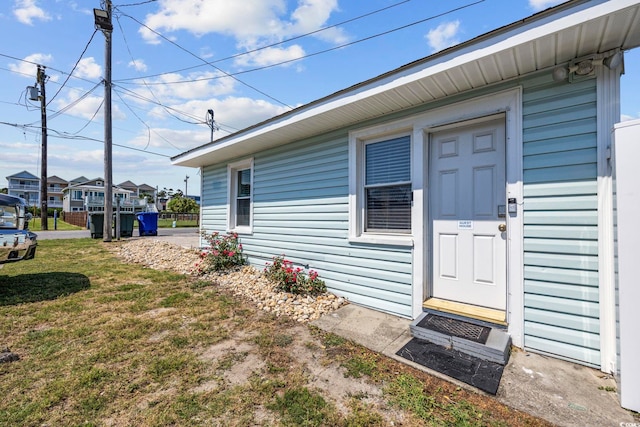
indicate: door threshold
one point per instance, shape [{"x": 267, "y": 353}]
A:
[{"x": 485, "y": 314}]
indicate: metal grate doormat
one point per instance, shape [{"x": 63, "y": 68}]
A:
[{"x": 456, "y": 328}]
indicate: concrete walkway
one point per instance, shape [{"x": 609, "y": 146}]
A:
[
  {"x": 563, "y": 393},
  {"x": 188, "y": 237}
]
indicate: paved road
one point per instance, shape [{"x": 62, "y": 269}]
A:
[{"x": 183, "y": 236}]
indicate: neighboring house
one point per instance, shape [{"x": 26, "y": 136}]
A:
[
  {"x": 161, "y": 203},
  {"x": 149, "y": 190},
  {"x": 79, "y": 194},
  {"x": 89, "y": 196},
  {"x": 26, "y": 185},
  {"x": 475, "y": 181},
  {"x": 139, "y": 190},
  {"x": 128, "y": 185},
  {"x": 79, "y": 180},
  {"x": 55, "y": 185}
]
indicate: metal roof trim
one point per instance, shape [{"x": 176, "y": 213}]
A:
[{"x": 521, "y": 33}]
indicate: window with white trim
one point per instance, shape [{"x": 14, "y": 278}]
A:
[
  {"x": 240, "y": 216},
  {"x": 387, "y": 186}
]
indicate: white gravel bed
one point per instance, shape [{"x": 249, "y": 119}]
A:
[{"x": 246, "y": 282}]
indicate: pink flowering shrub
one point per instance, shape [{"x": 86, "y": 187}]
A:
[
  {"x": 221, "y": 253},
  {"x": 293, "y": 280}
]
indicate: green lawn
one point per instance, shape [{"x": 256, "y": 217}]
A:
[
  {"x": 168, "y": 223},
  {"x": 101, "y": 342},
  {"x": 34, "y": 224}
]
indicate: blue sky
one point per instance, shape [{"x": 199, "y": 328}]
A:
[{"x": 268, "y": 56}]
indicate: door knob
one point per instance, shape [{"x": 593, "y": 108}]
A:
[{"x": 502, "y": 228}]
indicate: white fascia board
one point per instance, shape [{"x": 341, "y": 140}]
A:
[
  {"x": 494, "y": 45},
  {"x": 521, "y": 35}
]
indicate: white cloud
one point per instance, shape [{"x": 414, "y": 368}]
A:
[
  {"x": 88, "y": 68},
  {"x": 445, "y": 35},
  {"x": 231, "y": 113},
  {"x": 27, "y": 10},
  {"x": 18, "y": 156},
  {"x": 271, "y": 55},
  {"x": 88, "y": 107},
  {"x": 238, "y": 18},
  {"x": 543, "y": 4},
  {"x": 138, "y": 65},
  {"x": 312, "y": 15},
  {"x": 27, "y": 67},
  {"x": 175, "y": 139},
  {"x": 174, "y": 87},
  {"x": 627, "y": 117},
  {"x": 237, "y": 112},
  {"x": 251, "y": 22}
]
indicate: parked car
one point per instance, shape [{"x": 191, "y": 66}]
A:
[{"x": 17, "y": 243}]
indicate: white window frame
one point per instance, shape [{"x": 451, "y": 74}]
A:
[
  {"x": 232, "y": 179},
  {"x": 357, "y": 142}
]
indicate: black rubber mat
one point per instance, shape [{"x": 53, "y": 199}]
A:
[
  {"x": 471, "y": 370},
  {"x": 456, "y": 328}
]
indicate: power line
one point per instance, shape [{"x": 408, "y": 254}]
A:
[
  {"x": 74, "y": 67},
  {"x": 151, "y": 101},
  {"x": 57, "y": 113},
  {"x": 147, "y": 126},
  {"x": 135, "y": 4},
  {"x": 48, "y": 68},
  {"x": 64, "y": 135},
  {"x": 384, "y": 33},
  {"x": 207, "y": 63},
  {"x": 148, "y": 88},
  {"x": 277, "y": 43}
]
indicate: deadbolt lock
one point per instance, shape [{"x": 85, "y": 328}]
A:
[{"x": 502, "y": 228}]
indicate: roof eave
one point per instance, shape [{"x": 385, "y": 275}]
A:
[{"x": 520, "y": 36}]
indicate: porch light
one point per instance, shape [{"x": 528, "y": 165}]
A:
[
  {"x": 585, "y": 67},
  {"x": 614, "y": 61}
]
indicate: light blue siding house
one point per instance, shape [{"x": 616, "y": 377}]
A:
[{"x": 475, "y": 181}]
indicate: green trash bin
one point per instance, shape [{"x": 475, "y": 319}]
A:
[
  {"x": 126, "y": 224},
  {"x": 96, "y": 224}
]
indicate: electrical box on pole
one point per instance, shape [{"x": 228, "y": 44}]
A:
[{"x": 34, "y": 93}]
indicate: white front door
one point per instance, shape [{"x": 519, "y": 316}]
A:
[{"x": 467, "y": 210}]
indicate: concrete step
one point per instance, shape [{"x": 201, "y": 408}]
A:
[{"x": 496, "y": 349}]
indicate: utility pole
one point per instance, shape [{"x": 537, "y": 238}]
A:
[
  {"x": 185, "y": 185},
  {"x": 211, "y": 122},
  {"x": 41, "y": 77},
  {"x": 103, "y": 22}
]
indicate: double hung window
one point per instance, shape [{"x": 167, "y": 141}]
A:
[
  {"x": 240, "y": 217},
  {"x": 243, "y": 197},
  {"x": 387, "y": 186}
]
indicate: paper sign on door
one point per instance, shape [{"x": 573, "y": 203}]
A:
[{"x": 465, "y": 224}]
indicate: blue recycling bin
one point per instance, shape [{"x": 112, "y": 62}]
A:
[{"x": 148, "y": 223}]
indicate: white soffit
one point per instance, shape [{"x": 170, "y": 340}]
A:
[{"x": 561, "y": 34}]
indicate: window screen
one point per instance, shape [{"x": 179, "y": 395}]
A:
[
  {"x": 388, "y": 186},
  {"x": 243, "y": 197}
]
